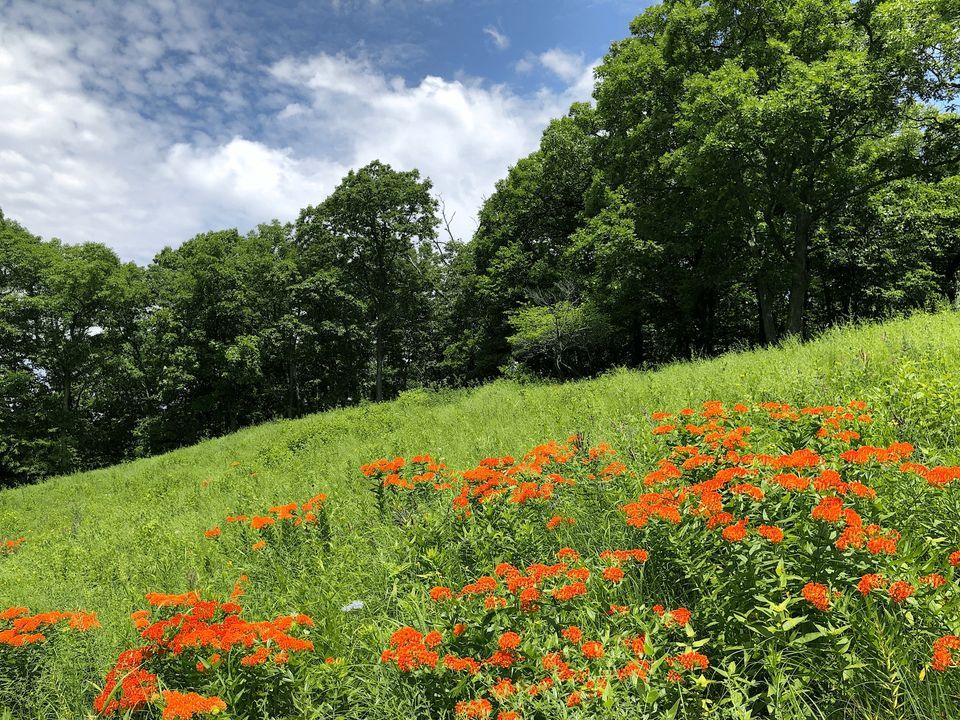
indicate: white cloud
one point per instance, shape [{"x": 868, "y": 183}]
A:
[
  {"x": 463, "y": 134},
  {"x": 567, "y": 66},
  {"x": 95, "y": 145},
  {"x": 500, "y": 39}
]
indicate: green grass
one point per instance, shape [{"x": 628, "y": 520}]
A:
[{"x": 100, "y": 540}]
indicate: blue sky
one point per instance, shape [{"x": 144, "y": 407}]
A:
[{"x": 140, "y": 124}]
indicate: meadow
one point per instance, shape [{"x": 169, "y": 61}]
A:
[{"x": 699, "y": 541}]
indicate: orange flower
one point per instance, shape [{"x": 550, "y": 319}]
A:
[
  {"x": 955, "y": 559},
  {"x": 829, "y": 509},
  {"x": 869, "y": 583},
  {"x": 737, "y": 532},
  {"x": 528, "y": 597},
  {"x": 440, "y": 593},
  {"x": 592, "y": 649},
  {"x": 817, "y": 595},
  {"x": 568, "y": 592},
  {"x": 14, "y": 612},
  {"x": 900, "y": 591},
  {"x": 771, "y": 533},
  {"x": 689, "y": 661},
  {"x": 257, "y": 657},
  {"x": 509, "y": 641},
  {"x": 213, "y": 533},
  {"x": 480, "y": 708},
  {"x": 747, "y": 489},
  {"x": 934, "y": 580},
  {"x": 943, "y": 652},
  {"x": 262, "y": 521},
  {"x": 720, "y": 519},
  {"x": 456, "y": 664},
  {"x": 620, "y": 556},
  {"x": 259, "y": 545},
  {"x": 8, "y": 546},
  {"x": 573, "y": 634},
  {"x": 504, "y": 688},
  {"x": 613, "y": 574},
  {"x": 634, "y": 669}
]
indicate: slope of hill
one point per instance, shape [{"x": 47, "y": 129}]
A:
[{"x": 100, "y": 541}]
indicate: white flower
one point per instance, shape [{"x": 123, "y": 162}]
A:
[{"x": 355, "y": 605}]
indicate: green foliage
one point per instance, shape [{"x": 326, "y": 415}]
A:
[
  {"x": 100, "y": 540},
  {"x": 376, "y": 230},
  {"x": 559, "y": 339},
  {"x": 750, "y": 171}
]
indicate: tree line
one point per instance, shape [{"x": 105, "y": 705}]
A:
[{"x": 749, "y": 170}]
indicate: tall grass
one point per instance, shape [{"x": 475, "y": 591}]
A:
[{"x": 100, "y": 540}]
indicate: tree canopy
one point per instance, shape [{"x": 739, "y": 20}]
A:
[{"x": 749, "y": 170}]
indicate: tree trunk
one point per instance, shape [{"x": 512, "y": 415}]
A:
[
  {"x": 799, "y": 275},
  {"x": 378, "y": 350},
  {"x": 637, "y": 349},
  {"x": 293, "y": 390},
  {"x": 768, "y": 324}
]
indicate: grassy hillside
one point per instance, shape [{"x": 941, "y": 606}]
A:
[{"x": 99, "y": 541}]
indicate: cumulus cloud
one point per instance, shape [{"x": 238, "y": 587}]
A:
[{"x": 119, "y": 160}]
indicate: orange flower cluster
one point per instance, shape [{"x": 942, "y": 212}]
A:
[
  {"x": 518, "y": 481},
  {"x": 942, "y": 476},
  {"x": 679, "y": 617},
  {"x": 128, "y": 687},
  {"x": 18, "y": 627},
  {"x": 309, "y": 514},
  {"x": 716, "y": 451},
  {"x": 199, "y": 635},
  {"x": 943, "y": 652},
  {"x": 409, "y": 650},
  {"x": 895, "y": 453},
  {"x": 8, "y": 546},
  {"x": 870, "y": 582},
  {"x": 900, "y": 591},
  {"x": 817, "y": 595},
  {"x": 558, "y": 520},
  {"x": 424, "y": 471},
  {"x": 534, "y": 478},
  {"x": 183, "y": 706},
  {"x": 572, "y": 676}
]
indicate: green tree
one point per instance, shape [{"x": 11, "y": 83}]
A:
[
  {"x": 373, "y": 237},
  {"x": 740, "y": 128},
  {"x": 59, "y": 378},
  {"x": 519, "y": 246},
  {"x": 559, "y": 337}
]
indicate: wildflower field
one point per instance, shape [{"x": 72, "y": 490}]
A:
[{"x": 773, "y": 534}]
